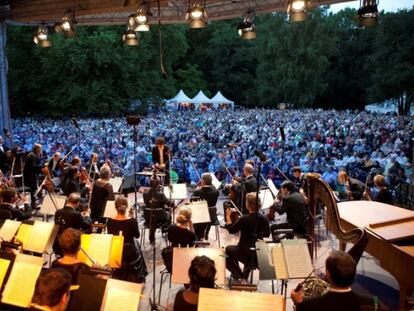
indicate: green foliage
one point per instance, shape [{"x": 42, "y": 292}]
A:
[{"x": 328, "y": 61}]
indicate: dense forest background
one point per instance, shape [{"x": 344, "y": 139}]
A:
[{"x": 327, "y": 62}]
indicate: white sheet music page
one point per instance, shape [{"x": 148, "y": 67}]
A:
[
  {"x": 110, "y": 211},
  {"x": 266, "y": 198},
  {"x": 279, "y": 262},
  {"x": 116, "y": 183},
  {"x": 179, "y": 192},
  {"x": 39, "y": 236},
  {"x": 228, "y": 300},
  {"x": 121, "y": 296},
  {"x": 9, "y": 229},
  {"x": 298, "y": 261},
  {"x": 100, "y": 248},
  {"x": 199, "y": 212},
  {"x": 272, "y": 187},
  {"x": 216, "y": 183}
]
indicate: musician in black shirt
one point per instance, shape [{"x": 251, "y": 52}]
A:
[
  {"x": 242, "y": 187},
  {"x": 32, "y": 168},
  {"x": 252, "y": 227},
  {"x": 181, "y": 233},
  {"x": 161, "y": 158}
]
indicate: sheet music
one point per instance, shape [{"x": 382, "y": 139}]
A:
[
  {"x": 183, "y": 256},
  {"x": 100, "y": 248},
  {"x": 179, "y": 192},
  {"x": 116, "y": 183},
  {"x": 48, "y": 208},
  {"x": 24, "y": 233},
  {"x": 121, "y": 296},
  {"x": 9, "y": 229},
  {"x": 199, "y": 212},
  {"x": 21, "y": 283},
  {"x": 39, "y": 236},
  {"x": 228, "y": 300},
  {"x": 279, "y": 262},
  {"x": 110, "y": 210},
  {"x": 266, "y": 198},
  {"x": 272, "y": 187},
  {"x": 4, "y": 265},
  {"x": 216, "y": 183},
  {"x": 298, "y": 259},
  {"x": 117, "y": 248}
]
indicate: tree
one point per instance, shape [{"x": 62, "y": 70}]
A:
[{"x": 191, "y": 80}]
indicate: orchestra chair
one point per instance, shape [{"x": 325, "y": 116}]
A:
[
  {"x": 167, "y": 271},
  {"x": 157, "y": 217},
  {"x": 215, "y": 222}
]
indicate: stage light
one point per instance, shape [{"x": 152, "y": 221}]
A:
[
  {"x": 247, "y": 28},
  {"x": 298, "y": 10},
  {"x": 368, "y": 13},
  {"x": 66, "y": 25},
  {"x": 41, "y": 37},
  {"x": 130, "y": 38},
  {"x": 140, "y": 20},
  {"x": 196, "y": 16}
]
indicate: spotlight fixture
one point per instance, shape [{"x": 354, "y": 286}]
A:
[
  {"x": 368, "y": 13},
  {"x": 66, "y": 25},
  {"x": 140, "y": 20},
  {"x": 130, "y": 38},
  {"x": 298, "y": 10},
  {"x": 41, "y": 37},
  {"x": 247, "y": 28},
  {"x": 196, "y": 16}
]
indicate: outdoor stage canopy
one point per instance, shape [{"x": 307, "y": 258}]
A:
[{"x": 200, "y": 101}]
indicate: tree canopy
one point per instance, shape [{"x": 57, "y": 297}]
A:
[{"x": 328, "y": 61}]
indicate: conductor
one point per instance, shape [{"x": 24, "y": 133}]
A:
[{"x": 161, "y": 158}]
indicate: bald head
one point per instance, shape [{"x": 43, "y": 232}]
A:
[{"x": 248, "y": 170}]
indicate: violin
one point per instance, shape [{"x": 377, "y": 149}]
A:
[
  {"x": 47, "y": 182},
  {"x": 84, "y": 176},
  {"x": 63, "y": 162}
]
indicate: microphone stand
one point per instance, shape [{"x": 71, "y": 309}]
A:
[{"x": 135, "y": 138}]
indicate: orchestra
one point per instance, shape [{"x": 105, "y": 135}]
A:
[{"x": 88, "y": 189}]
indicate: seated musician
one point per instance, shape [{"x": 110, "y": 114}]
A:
[
  {"x": 71, "y": 183},
  {"x": 92, "y": 166},
  {"x": 133, "y": 268},
  {"x": 54, "y": 165},
  {"x": 242, "y": 187},
  {"x": 340, "y": 273},
  {"x": 202, "y": 273},
  {"x": 52, "y": 291},
  {"x": 349, "y": 188},
  {"x": 70, "y": 242},
  {"x": 156, "y": 199},
  {"x": 380, "y": 192},
  {"x": 69, "y": 217},
  {"x": 252, "y": 227},
  {"x": 9, "y": 199},
  {"x": 294, "y": 205},
  {"x": 181, "y": 233},
  {"x": 210, "y": 194},
  {"x": 102, "y": 191}
]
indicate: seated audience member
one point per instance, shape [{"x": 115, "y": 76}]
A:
[
  {"x": 349, "y": 188},
  {"x": 202, "y": 273},
  {"x": 252, "y": 227},
  {"x": 379, "y": 192},
  {"x": 210, "y": 194},
  {"x": 340, "y": 273},
  {"x": 69, "y": 242},
  {"x": 9, "y": 198},
  {"x": 52, "y": 291},
  {"x": 181, "y": 233},
  {"x": 294, "y": 205},
  {"x": 133, "y": 266},
  {"x": 156, "y": 199}
]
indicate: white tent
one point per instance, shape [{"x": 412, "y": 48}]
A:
[
  {"x": 199, "y": 99},
  {"x": 220, "y": 99},
  {"x": 181, "y": 97}
]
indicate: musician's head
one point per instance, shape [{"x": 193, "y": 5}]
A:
[
  {"x": 121, "y": 205},
  {"x": 94, "y": 157},
  {"x": 250, "y": 162},
  {"x": 340, "y": 269},
  {"x": 297, "y": 171},
  {"x": 343, "y": 177},
  {"x": 184, "y": 216},
  {"x": 248, "y": 170},
  {"x": 57, "y": 156},
  {"x": 287, "y": 187},
  {"x": 37, "y": 149},
  {"x": 202, "y": 273},
  {"x": 253, "y": 203},
  {"x": 52, "y": 289},
  {"x": 76, "y": 161},
  {"x": 379, "y": 181},
  {"x": 206, "y": 179},
  {"x": 70, "y": 241},
  {"x": 154, "y": 183},
  {"x": 73, "y": 170},
  {"x": 159, "y": 141},
  {"x": 105, "y": 172},
  {"x": 9, "y": 195},
  {"x": 73, "y": 199}
]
